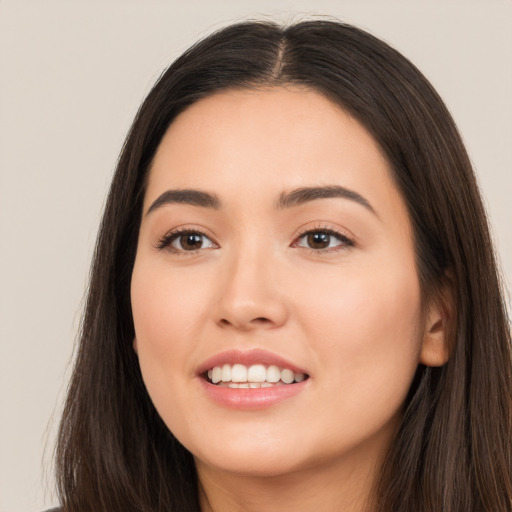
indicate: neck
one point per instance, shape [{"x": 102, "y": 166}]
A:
[{"x": 335, "y": 488}]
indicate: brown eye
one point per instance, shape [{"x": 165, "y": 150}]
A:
[
  {"x": 318, "y": 240},
  {"x": 189, "y": 242},
  {"x": 185, "y": 241},
  {"x": 323, "y": 240}
]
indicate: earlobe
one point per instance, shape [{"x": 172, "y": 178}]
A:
[{"x": 435, "y": 349}]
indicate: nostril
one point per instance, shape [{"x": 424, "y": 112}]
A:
[
  {"x": 260, "y": 320},
  {"x": 255, "y": 321}
]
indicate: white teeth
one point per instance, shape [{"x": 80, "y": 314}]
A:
[
  {"x": 239, "y": 373},
  {"x": 287, "y": 376},
  {"x": 273, "y": 374},
  {"x": 247, "y": 385},
  {"x": 255, "y": 376},
  {"x": 216, "y": 375},
  {"x": 257, "y": 373},
  {"x": 226, "y": 373},
  {"x": 299, "y": 377}
]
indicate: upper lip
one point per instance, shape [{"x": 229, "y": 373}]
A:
[{"x": 248, "y": 358}]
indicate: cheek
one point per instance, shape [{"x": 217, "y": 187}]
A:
[
  {"x": 153, "y": 318},
  {"x": 166, "y": 311},
  {"x": 167, "y": 306},
  {"x": 381, "y": 298},
  {"x": 368, "y": 326}
]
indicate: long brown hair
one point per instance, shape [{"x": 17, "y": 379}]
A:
[{"x": 453, "y": 450}]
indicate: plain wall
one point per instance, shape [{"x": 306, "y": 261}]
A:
[{"x": 72, "y": 75}]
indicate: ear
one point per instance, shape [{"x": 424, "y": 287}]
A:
[
  {"x": 435, "y": 349},
  {"x": 135, "y": 348}
]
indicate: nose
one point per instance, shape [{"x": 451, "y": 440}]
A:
[{"x": 251, "y": 297}]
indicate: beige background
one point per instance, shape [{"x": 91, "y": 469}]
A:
[{"x": 72, "y": 74}]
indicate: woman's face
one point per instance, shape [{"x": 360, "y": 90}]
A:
[{"x": 274, "y": 245}]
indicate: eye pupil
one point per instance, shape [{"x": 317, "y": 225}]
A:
[
  {"x": 191, "y": 241},
  {"x": 319, "y": 240}
]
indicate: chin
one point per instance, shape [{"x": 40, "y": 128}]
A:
[{"x": 250, "y": 457}]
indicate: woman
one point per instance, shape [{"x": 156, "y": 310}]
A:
[{"x": 294, "y": 303}]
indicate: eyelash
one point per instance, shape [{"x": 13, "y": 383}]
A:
[
  {"x": 165, "y": 242},
  {"x": 346, "y": 242}
]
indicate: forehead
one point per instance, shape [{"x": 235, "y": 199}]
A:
[{"x": 266, "y": 141}]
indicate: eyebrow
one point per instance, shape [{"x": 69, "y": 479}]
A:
[
  {"x": 186, "y": 196},
  {"x": 306, "y": 194},
  {"x": 286, "y": 200}
]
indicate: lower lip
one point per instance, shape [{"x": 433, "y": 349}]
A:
[{"x": 251, "y": 399}]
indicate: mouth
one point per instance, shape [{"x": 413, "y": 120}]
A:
[
  {"x": 251, "y": 380},
  {"x": 255, "y": 376}
]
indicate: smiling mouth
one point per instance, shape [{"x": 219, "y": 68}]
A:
[{"x": 239, "y": 376}]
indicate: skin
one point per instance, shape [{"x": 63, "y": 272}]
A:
[{"x": 350, "y": 314}]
